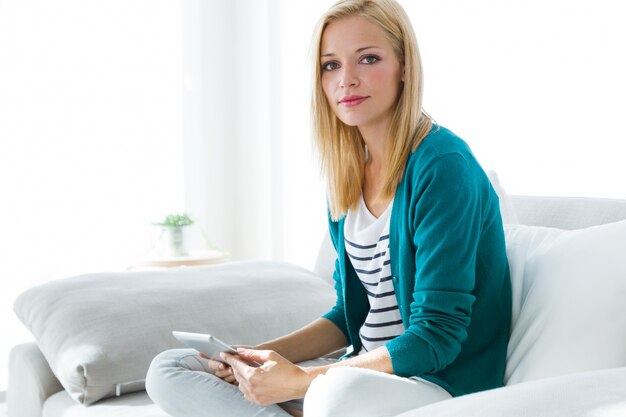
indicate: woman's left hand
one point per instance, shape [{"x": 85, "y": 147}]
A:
[{"x": 275, "y": 381}]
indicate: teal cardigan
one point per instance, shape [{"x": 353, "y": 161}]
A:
[{"x": 449, "y": 267}]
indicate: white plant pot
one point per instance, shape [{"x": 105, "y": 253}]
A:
[{"x": 176, "y": 243}]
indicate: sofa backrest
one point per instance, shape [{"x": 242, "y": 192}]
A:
[
  {"x": 567, "y": 213},
  {"x": 561, "y": 212}
]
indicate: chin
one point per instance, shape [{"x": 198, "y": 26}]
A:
[
  {"x": 351, "y": 124},
  {"x": 351, "y": 121}
]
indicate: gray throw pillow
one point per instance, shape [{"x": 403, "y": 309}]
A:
[{"x": 99, "y": 332}]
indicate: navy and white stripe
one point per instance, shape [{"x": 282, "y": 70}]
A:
[{"x": 367, "y": 246}]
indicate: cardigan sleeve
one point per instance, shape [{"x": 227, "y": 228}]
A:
[
  {"x": 445, "y": 221},
  {"x": 337, "y": 314}
]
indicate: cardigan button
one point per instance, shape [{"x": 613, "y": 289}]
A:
[{"x": 394, "y": 279}]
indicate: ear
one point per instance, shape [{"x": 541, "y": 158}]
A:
[{"x": 403, "y": 73}]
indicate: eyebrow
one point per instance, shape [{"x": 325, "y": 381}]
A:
[{"x": 358, "y": 50}]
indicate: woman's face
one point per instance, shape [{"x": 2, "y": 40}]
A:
[{"x": 361, "y": 75}]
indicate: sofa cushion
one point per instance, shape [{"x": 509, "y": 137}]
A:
[
  {"x": 99, "y": 332},
  {"x": 569, "y": 287},
  {"x": 136, "y": 404}
]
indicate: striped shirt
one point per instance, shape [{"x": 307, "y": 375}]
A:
[{"x": 367, "y": 246}]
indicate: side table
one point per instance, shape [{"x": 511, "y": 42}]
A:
[{"x": 195, "y": 258}]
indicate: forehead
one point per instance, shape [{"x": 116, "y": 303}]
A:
[{"x": 349, "y": 33}]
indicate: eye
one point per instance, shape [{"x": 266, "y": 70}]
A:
[
  {"x": 329, "y": 66},
  {"x": 370, "y": 59}
]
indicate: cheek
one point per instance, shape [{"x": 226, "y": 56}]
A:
[
  {"x": 328, "y": 91},
  {"x": 379, "y": 76},
  {"x": 387, "y": 79}
]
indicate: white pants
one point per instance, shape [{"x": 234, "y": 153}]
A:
[
  {"x": 358, "y": 392},
  {"x": 179, "y": 382}
]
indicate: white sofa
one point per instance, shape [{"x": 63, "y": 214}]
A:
[{"x": 567, "y": 354}]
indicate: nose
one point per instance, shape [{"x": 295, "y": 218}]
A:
[{"x": 348, "y": 77}]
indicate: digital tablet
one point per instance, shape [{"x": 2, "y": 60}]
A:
[{"x": 210, "y": 345}]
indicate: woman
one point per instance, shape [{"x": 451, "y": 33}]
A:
[{"x": 422, "y": 279}]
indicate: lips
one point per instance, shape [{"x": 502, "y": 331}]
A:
[{"x": 351, "y": 101}]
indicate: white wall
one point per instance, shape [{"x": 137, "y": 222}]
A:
[
  {"x": 208, "y": 116},
  {"x": 231, "y": 143},
  {"x": 536, "y": 88},
  {"x": 90, "y": 139},
  {"x": 304, "y": 198},
  {"x": 247, "y": 127},
  {"x": 533, "y": 88}
]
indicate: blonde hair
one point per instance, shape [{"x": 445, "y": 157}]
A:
[{"x": 341, "y": 147}]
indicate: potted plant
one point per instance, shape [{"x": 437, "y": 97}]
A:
[{"x": 173, "y": 226}]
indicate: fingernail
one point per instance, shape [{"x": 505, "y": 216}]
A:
[{"x": 222, "y": 355}]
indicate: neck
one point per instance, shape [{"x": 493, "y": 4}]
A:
[{"x": 375, "y": 138}]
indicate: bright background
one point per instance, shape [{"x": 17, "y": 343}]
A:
[{"x": 113, "y": 114}]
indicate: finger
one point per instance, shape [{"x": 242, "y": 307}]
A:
[
  {"x": 237, "y": 365},
  {"x": 219, "y": 369},
  {"x": 242, "y": 346},
  {"x": 231, "y": 379},
  {"x": 216, "y": 366},
  {"x": 255, "y": 355},
  {"x": 240, "y": 380},
  {"x": 224, "y": 374}
]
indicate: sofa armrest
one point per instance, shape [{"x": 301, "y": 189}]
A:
[
  {"x": 31, "y": 381},
  {"x": 591, "y": 393}
]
